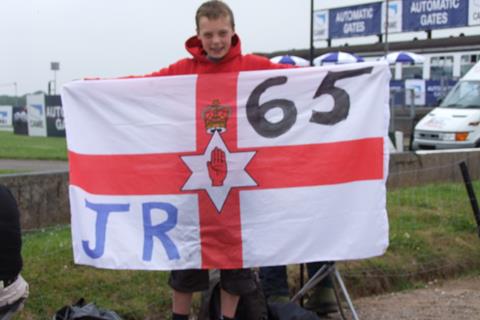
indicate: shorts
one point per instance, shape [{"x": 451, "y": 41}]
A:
[{"x": 236, "y": 281}]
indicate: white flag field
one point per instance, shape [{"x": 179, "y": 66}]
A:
[{"x": 230, "y": 170}]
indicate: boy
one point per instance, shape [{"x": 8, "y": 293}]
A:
[{"x": 215, "y": 49}]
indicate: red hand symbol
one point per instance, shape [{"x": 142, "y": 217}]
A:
[{"x": 217, "y": 167}]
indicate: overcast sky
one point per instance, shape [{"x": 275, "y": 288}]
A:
[{"x": 110, "y": 38}]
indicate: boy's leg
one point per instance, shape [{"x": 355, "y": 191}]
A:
[
  {"x": 181, "y": 302},
  {"x": 184, "y": 283},
  {"x": 228, "y": 303},
  {"x": 234, "y": 283}
]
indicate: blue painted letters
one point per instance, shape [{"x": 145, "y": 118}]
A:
[
  {"x": 160, "y": 230},
  {"x": 103, "y": 210}
]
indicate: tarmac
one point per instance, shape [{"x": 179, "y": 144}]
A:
[{"x": 33, "y": 165}]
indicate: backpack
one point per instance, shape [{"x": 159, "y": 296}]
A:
[
  {"x": 83, "y": 311},
  {"x": 251, "y": 306}
]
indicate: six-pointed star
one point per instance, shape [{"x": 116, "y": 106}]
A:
[{"x": 236, "y": 174}]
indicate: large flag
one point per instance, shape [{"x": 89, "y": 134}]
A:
[{"x": 229, "y": 170}]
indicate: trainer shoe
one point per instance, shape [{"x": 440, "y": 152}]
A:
[{"x": 322, "y": 301}]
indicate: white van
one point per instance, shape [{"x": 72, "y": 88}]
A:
[{"x": 456, "y": 122}]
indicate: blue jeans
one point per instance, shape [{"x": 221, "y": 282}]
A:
[{"x": 274, "y": 279}]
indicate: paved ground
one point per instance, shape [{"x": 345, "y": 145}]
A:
[
  {"x": 33, "y": 165},
  {"x": 457, "y": 299}
]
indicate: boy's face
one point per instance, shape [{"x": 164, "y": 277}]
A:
[{"x": 215, "y": 35}]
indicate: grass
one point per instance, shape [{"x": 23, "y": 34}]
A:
[
  {"x": 56, "y": 281},
  {"x": 432, "y": 235},
  {"x": 8, "y": 171},
  {"x": 14, "y": 146}
]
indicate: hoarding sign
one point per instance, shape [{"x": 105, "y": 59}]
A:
[
  {"x": 361, "y": 20},
  {"x": 394, "y": 16},
  {"x": 436, "y": 90},
  {"x": 37, "y": 125},
  {"x": 418, "y": 88},
  {"x": 320, "y": 25},
  {"x": 474, "y": 12},
  {"x": 54, "y": 115},
  {"x": 20, "y": 120},
  {"x": 5, "y": 116},
  {"x": 434, "y": 14},
  {"x": 397, "y": 93}
]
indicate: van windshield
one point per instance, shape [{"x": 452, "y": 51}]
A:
[{"x": 465, "y": 94}]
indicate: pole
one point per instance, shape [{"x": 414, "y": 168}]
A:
[
  {"x": 16, "y": 93},
  {"x": 386, "y": 28},
  {"x": 311, "y": 32},
  {"x": 54, "y": 82},
  {"x": 471, "y": 194},
  {"x": 302, "y": 280}
]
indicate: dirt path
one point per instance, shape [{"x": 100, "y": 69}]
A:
[{"x": 457, "y": 299}]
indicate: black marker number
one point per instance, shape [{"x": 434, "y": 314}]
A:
[
  {"x": 341, "y": 99},
  {"x": 256, "y": 112}
]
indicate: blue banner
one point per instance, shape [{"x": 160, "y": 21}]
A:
[
  {"x": 362, "y": 20},
  {"x": 436, "y": 90},
  {"x": 434, "y": 14},
  {"x": 397, "y": 93}
]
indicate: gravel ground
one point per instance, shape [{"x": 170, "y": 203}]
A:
[{"x": 457, "y": 299}]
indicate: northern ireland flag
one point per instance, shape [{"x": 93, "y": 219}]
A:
[{"x": 229, "y": 170}]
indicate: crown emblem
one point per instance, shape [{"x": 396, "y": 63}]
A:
[{"x": 215, "y": 117}]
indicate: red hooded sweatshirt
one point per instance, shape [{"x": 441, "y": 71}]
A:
[{"x": 232, "y": 62}]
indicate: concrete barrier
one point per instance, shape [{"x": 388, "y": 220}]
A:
[
  {"x": 43, "y": 197},
  {"x": 425, "y": 167}
]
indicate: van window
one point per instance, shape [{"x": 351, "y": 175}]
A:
[{"x": 465, "y": 94}]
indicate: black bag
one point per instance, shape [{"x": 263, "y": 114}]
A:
[
  {"x": 251, "y": 306},
  {"x": 289, "y": 311},
  {"x": 83, "y": 311}
]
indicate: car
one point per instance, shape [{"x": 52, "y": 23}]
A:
[{"x": 456, "y": 122}]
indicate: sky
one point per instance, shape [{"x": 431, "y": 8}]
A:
[{"x": 111, "y": 38}]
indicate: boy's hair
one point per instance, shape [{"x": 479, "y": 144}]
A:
[{"x": 214, "y": 9}]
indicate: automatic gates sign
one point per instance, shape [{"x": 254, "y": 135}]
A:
[
  {"x": 434, "y": 14},
  {"x": 229, "y": 170},
  {"x": 362, "y": 20}
]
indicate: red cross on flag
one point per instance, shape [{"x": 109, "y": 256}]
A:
[{"x": 229, "y": 170}]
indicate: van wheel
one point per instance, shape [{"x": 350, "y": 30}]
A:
[{"x": 477, "y": 144}]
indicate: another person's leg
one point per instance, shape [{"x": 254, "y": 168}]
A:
[
  {"x": 275, "y": 283},
  {"x": 234, "y": 283},
  {"x": 322, "y": 298},
  {"x": 184, "y": 283}
]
